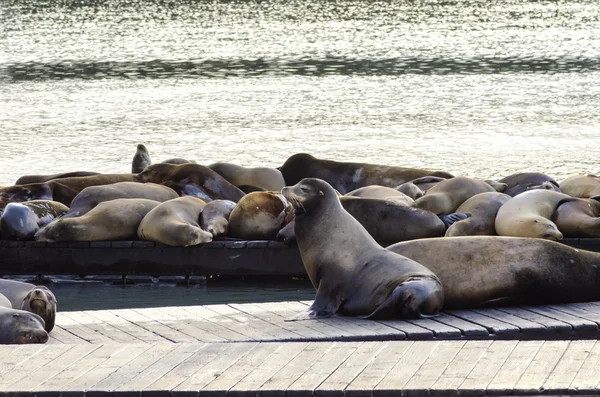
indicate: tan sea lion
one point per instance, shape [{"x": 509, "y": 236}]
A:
[
  {"x": 91, "y": 196},
  {"x": 20, "y": 221},
  {"x": 20, "y": 327},
  {"x": 215, "y": 217},
  {"x": 446, "y": 196},
  {"x": 111, "y": 220},
  {"x": 28, "y": 179},
  {"x": 524, "y": 181},
  {"x": 493, "y": 271},
  {"x": 578, "y": 218},
  {"x": 259, "y": 216},
  {"x": 353, "y": 275},
  {"x": 261, "y": 177},
  {"x": 528, "y": 215},
  {"x": 51, "y": 190},
  {"x": 382, "y": 193},
  {"x": 175, "y": 223},
  {"x": 36, "y": 299},
  {"x": 346, "y": 176},
  {"x": 141, "y": 159},
  {"x": 192, "y": 180},
  {"x": 583, "y": 186},
  {"x": 483, "y": 208}
]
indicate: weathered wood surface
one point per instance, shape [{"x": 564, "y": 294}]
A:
[
  {"x": 239, "y": 258},
  {"x": 352, "y": 369},
  {"x": 264, "y": 322}
]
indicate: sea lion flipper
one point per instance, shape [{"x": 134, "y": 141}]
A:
[
  {"x": 324, "y": 306},
  {"x": 450, "y": 219}
]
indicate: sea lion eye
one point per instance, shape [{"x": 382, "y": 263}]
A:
[{"x": 304, "y": 189}]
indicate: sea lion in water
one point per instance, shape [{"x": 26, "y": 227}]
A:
[
  {"x": 111, "y": 220},
  {"x": 260, "y": 177},
  {"x": 524, "y": 181},
  {"x": 51, "y": 190},
  {"x": 191, "y": 180},
  {"x": 528, "y": 215},
  {"x": 215, "y": 217},
  {"x": 353, "y": 275},
  {"x": 483, "y": 208},
  {"x": 141, "y": 159},
  {"x": 20, "y": 221},
  {"x": 382, "y": 193},
  {"x": 31, "y": 298},
  {"x": 346, "y": 176},
  {"x": 28, "y": 179},
  {"x": 578, "y": 218},
  {"x": 583, "y": 186},
  {"x": 259, "y": 216},
  {"x": 91, "y": 196},
  {"x": 493, "y": 271},
  {"x": 446, "y": 196},
  {"x": 175, "y": 223},
  {"x": 20, "y": 327}
]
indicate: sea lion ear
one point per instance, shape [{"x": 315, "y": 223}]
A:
[{"x": 321, "y": 193}]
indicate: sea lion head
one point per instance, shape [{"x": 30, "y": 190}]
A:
[
  {"x": 20, "y": 327},
  {"x": 542, "y": 228},
  {"x": 155, "y": 173},
  {"x": 411, "y": 190},
  {"x": 546, "y": 185},
  {"x": 20, "y": 193},
  {"x": 215, "y": 217},
  {"x": 308, "y": 193},
  {"x": 41, "y": 301},
  {"x": 18, "y": 222}
]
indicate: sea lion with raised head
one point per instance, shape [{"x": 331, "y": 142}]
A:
[
  {"x": 36, "y": 299},
  {"x": 28, "y": 179},
  {"x": 483, "y": 208},
  {"x": 578, "y": 218},
  {"x": 261, "y": 177},
  {"x": 353, "y": 275},
  {"x": 259, "y": 216},
  {"x": 20, "y": 221},
  {"x": 582, "y": 186},
  {"x": 347, "y": 176},
  {"x": 524, "y": 181},
  {"x": 141, "y": 159},
  {"x": 111, "y": 220},
  {"x": 175, "y": 223},
  {"x": 215, "y": 217},
  {"x": 483, "y": 271},
  {"x": 382, "y": 193},
  {"x": 191, "y": 180}
]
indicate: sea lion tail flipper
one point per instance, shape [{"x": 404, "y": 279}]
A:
[
  {"x": 324, "y": 306},
  {"x": 450, "y": 219}
]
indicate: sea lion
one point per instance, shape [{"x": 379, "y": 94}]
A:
[
  {"x": 28, "y": 179},
  {"x": 524, "y": 181},
  {"x": 483, "y": 208},
  {"x": 91, "y": 196},
  {"x": 215, "y": 217},
  {"x": 382, "y": 193},
  {"x": 259, "y": 216},
  {"x": 261, "y": 177},
  {"x": 20, "y": 221},
  {"x": 446, "y": 196},
  {"x": 353, "y": 275},
  {"x": 178, "y": 160},
  {"x": 417, "y": 187},
  {"x": 493, "y": 271},
  {"x": 528, "y": 215},
  {"x": 20, "y": 327},
  {"x": 175, "y": 223},
  {"x": 583, "y": 186},
  {"x": 51, "y": 190},
  {"x": 111, "y": 220},
  {"x": 36, "y": 299},
  {"x": 578, "y": 218},
  {"x": 141, "y": 159},
  {"x": 346, "y": 176},
  {"x": 191, "y": 180}
]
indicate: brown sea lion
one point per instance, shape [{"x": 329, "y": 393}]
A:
[
  {"x": 353, "y": 275},
  {"x": 20, "y": 221},
  {"x": 493, "y": 271},
  {"x": 524, "y": 181},
  {"x": 346, "y": 176},
  {"x": 192, "y": 180},
  {"x": 111, "y": 220},
  {"x": 260, "y": 177},
  {"x": 28, "y": 179},
  {"x": 51, "y": 190},
  {"x": 20, "y": 327},
  {"x": 446, "y": 196},
  {"x": 578, "y": 218},
  {"x": 175, "y": 223},
  {"x": 215, "y": 217},
  {"x": 36, "y": 299},
  {"x": 483, "y": 208},
  {"x": 528, "y": 215},
  {"x": 259, "y": 216},
  {"x": 91, "y": 196},
  {"x": 583, "y": 186},
  {"x": 141, "y": 159},
  {"x": 178, "y": 160},
  {"x": 382, "y": 193}
]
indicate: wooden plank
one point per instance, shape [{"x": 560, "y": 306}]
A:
[
  {"x": 588, "y": 376},
  {"x": 440, "y": 330},
  {"x": 467, "y": 328},
  {"x": 575, "y": 311},
  {"x": 14, "y": 354},
  {"x": 199, "y": 329},
  {"x": 412, "y": 331},
  {"x": 336, "y": 383},
  {"x": 65, "y": 336},
  {"x": 581, "y": 326},
  {"x": 32, "y": 363},
  {"x": 305, "y": 385},
  {"x": 527, "y": 328},
  {"x": 553, "y": 326},
  {"x": 65, "y": 321},
  {"x": 459, "y": 368},
  {"x": 515, "y": 365},
  {"x": 486, "y": 368},
  {"x": 103, "y": 328},
  {"x": 226, "y": 326},
  {"x": 496, "y": 328},
  {"x": 162, "y": 316},
  {"x": 429, "y": 372},
  {"x": 539, "y": 370},
  {"x": 405, "y": 368},
  {"x": 153, "y": 326},
  {"x": 205, "y": 325},
  {"x": 568, "y": 366},
  {"x": 127, "y": 326},
  {"x": 326, "y": 327}
]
